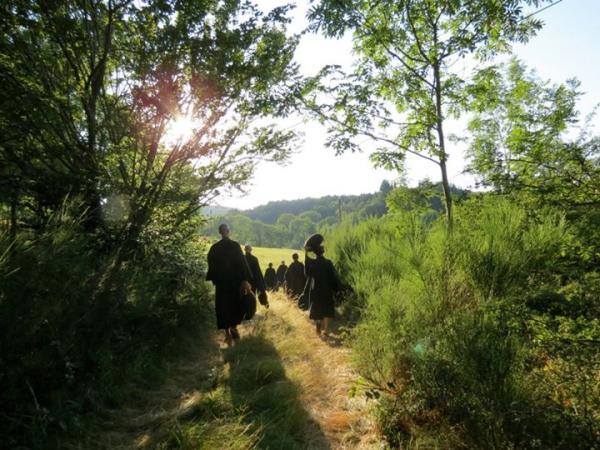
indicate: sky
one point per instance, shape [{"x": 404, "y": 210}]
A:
[{"x": 566, "y": 47}]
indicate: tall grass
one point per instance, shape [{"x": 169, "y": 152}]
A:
[
  {"x": 62, "y": 355},
  {"x": 279, "y": 387},
  {"x": 444, "y": 332}
]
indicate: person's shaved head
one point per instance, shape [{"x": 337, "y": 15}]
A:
[
  {"x": 224, "y": 230},
  {"x": 248, "y": 248}
]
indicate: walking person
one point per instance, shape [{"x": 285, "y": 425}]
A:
[
  {"x": 294, "y": 277},
  {"x": 229, "y": 272},
  {"x": 271, "y": 278},
  {"x": 259, "y": 286},
  {"x": 322, "y": 283},
  {"x": 281, "y": 275}
]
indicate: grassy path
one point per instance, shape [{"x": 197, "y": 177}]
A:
[{"x": 280, "y": 387}]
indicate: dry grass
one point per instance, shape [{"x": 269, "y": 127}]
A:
[
  {"x": 280, "y": 387},
  {"x": 323, "y": 370}
]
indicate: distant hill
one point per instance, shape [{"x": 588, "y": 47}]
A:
[
  {"x": 328, "y": 206},
  {"x": 287, "y": 223}
]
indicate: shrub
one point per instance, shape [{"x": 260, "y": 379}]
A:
[
  {"x": 445, "y": 329},
  {"x": 60, "y": 353}
]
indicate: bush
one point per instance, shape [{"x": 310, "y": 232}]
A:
[
  {"x": 65, "y": 349},
  {"x": 446, "y": 327}
]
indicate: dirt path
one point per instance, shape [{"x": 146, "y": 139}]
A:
[
  {"x": 280, "y": 387},
  {"x": 323, "y": 369}
]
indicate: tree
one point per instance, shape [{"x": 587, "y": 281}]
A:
[
  {"x": 300, "y": 228},
  {"x": 119, "y": 119},
  {"x": 92, "y": 90},
  {"x": 285, "y": 219},
  {"x": 311, "y": 215},
  {"x": 522, "y": 138},
  {"x": 403, "y": 89},
  {"x": 385, "y": 187}
]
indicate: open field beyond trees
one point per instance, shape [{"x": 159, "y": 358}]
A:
[{"x": 266, "y": 255}]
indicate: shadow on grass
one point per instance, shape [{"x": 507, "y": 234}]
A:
[
  {"x": 150, "y": 396},
  {"x": 271, "y": 401}
]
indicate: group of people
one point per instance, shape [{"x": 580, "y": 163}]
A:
[
  {"x": 236, "y": 275},
  {"x": 291, "y": 279}
]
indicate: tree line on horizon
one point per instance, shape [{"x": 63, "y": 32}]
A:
[{"x": 288, "y": 223}]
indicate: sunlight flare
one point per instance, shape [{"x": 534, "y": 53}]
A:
[{"x": 181, "y": 129}]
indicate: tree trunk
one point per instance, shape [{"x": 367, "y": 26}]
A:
[
  {"x": 93, "y": 218},
  {"x": 442, "y": 144},
  {"x": 447, "y": 193}
]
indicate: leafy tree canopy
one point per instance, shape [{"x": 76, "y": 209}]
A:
[
  {"x": 91, "y": 92},
  {"x": 403, "y": 89},
  {"x": 527, "y": 137}
]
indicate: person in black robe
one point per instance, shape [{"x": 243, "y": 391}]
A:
[
  {"x": 271, "y": 278},
  {"x": 259, "y": 286},
  {"x": 322, "y": 283},
  {"x": 281, "y": 275},
  {"x": 229, "y": 272},
  {"x": 294, "y": 277}
]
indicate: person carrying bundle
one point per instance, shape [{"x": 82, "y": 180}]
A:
[{"x": 321, "y": 285}]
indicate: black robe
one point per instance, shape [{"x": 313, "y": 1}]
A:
[
  {"x": 295, "y": 278},
  {"x": 227, "y": 269},
  {"x": 270, "y": 278},
  {"x": 322, "y": 283},
  {"x": 257, "y": 282},
  {"x": 281, "y": 274}
]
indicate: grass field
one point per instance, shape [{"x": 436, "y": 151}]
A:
[{"x": 274, "y": 255}]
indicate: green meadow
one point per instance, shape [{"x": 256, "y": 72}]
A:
[{"x": 266, "y": 255}]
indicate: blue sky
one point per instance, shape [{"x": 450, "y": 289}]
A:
[{"x": 567, "y": 47}]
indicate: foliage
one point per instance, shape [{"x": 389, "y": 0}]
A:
[
  {"x": 61, "y": 357},
  {"x": 475, "y": 334},
  {"x": 403, "y": 89},
  {"x": 92, "y": 92},
  {"x": 100, "y": 185},
  {"x": 521, "y": 138},
  {"x": 288, "y": 223},
  {"x": 528, "y": 142}
]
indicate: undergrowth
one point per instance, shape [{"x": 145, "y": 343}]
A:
[
  {"x": 77, "y": 328},
  {"x": 486, "y": 337}
]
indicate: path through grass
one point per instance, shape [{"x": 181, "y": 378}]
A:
[{"x": 280, "y": 387}]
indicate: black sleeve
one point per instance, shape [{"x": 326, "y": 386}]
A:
[
  {"x": 210, "y": 273},
  {"x": 260, "y": 280},
  {"x": 334, "y": 279},
  {"x": 244, "y": 271}
]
